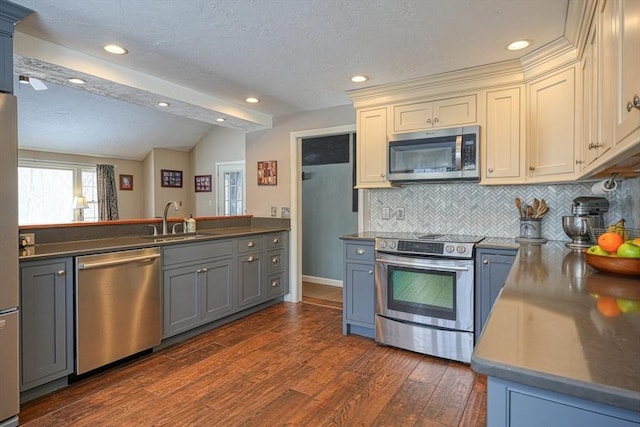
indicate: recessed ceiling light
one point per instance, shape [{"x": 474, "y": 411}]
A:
[
  {"x": 359, "y": 79},
  {"x": 519, "y": 44},
  {"x": 220, "y": 119},
  {"x": 77, "y": 80},
  {"x": 115, "y": 49},
  {"x": 163, "y": 104},
  {"x": 252, "y": 100}
]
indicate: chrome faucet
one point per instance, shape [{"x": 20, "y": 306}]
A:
[{"x": 164, "y": 215}]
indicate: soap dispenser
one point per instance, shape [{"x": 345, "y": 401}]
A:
[{"x": 191, "y": 224}]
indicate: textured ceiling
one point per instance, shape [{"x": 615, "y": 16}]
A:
[{"x": 295, "y": 55}]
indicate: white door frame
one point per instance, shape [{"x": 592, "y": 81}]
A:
[
  {"x": 240, "y": 165},
  {"x": 295, "y": 166}
]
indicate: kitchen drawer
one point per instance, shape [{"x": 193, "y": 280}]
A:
[
  {"x": 250, "y": 244},
  {"x": 360, "y": 251},
  {"x": 274, "y": 241},
  {"x": 277, "y": 285},
  {"x": 275, "y": 261},
  {"x": 197, "y": 251}
]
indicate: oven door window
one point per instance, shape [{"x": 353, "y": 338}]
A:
[{"x": 423, "y": 292}]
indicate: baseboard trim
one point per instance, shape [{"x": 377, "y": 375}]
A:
[{"x": 322, "y": 281}]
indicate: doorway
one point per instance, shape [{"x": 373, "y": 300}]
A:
[
  {"x": 230, "y": 188},
  {"x": 328, "y": 212}
]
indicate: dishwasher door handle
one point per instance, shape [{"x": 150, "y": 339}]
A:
[{"x": 119, "y": 261}]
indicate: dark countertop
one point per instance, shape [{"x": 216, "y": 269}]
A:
[
  {"x": 545, "y": 329},
  {"x": 84, "y": 247}
]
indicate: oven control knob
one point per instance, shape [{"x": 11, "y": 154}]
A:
[
  {"x": 461, "y": 249},
  {"x": 449, "y": 248},
  {"x": 383, "y": 244},
  {"x": 393, "y": 245}
]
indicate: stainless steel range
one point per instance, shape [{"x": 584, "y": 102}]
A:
[{"x": 425, "y": 293}]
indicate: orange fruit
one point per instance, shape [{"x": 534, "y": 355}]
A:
[
  {"x": 608, "y": 306},
  {"x": 610, "y": 241}
]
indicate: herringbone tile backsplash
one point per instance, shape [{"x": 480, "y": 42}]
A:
[{"x": 469, "y": 208}]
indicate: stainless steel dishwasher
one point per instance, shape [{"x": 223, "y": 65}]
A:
[{"x": 118, "y": 306}]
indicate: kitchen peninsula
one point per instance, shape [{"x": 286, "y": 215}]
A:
[
  {"x": 550, "y": 356},
  {"x": 178, "y": 286}
]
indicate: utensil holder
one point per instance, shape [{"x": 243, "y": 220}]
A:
[{"x": 530, "y": 228}]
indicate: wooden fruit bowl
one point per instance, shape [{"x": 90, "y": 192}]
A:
[{"x": 614, "y": 265}]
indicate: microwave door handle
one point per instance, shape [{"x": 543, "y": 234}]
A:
[{"x": 459, "y": 152}]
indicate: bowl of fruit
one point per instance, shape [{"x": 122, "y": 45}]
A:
[{"x": 617, "y": 251}]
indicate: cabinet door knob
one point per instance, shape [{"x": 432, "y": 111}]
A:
[
  {"x": 250, "y": 259},
  {"x": 634, "y": 103},
  {"x": 428, "y": 120},
  {"x": 275, "y": 260},
  {"x": 579, "y": 162},
  {"x": 276, "y": 240},
  {"x": 382, "y": 175},
  {"x": 359, "y": 251},
  {"x": 490, "y": 170},
  {"x": 61, "y": 272},
  {"x": 370, "y": 271},
  {"x": 204, "y": 270},
  {"x": 532, "y": 168},
  {"x": 436, "y": 120},
  {"x": 275, "y": 283},
  {"x": 251, "y": 244},
  {"x": 485, "y": 262},
  {"x": 198, "y": 271}
]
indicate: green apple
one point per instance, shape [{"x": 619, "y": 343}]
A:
[
  {"x": 628, "y": 250},
  {"x": 597, "y": 250},
  {"x": 628, "y": 306}
]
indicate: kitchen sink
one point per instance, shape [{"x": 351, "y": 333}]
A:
[{"x": 175, "y": 237}]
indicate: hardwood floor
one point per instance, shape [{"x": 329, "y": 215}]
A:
[
  {"x": 286, "y": 365},
  {"x": 323, "y": 295}
]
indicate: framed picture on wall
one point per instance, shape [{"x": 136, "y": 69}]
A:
[
  {"x": 170, "y": 178},
  {"x": 126, "y": 182},
  {"x": 268, "y": 172},
  {"x": 202, "y": 183}
]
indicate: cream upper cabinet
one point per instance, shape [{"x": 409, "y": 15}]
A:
[
  {"x": 625, "y": 82},
  {"x": 552, "y": 126},
  {"x": 502, "y": 160},
  {"x": 371, "y": 148},
  {"x": 594, "y": 142},
  {"x": 441, "y": 113}
]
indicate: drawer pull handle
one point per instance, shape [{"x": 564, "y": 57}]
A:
[
  {"x": 370, "y": 271},
  {"x": 275, "y": 283},
  {"x": 198, "y": 271},
  {"x": 204, "y": 270},
  {"x": 250, "y": 259},
  {"x": 251, "y": 244},
  {"x": 276, "y": 240},
  {"x": 635, "y": 103},
  {"x": 485, "y": 262},
  {"x": 360, "y": 251},
  {"x": 61, "y": 272},
  {"x": 275, "y": 260}
]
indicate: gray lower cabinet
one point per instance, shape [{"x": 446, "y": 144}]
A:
[
  {"x": 358, "y": 288},
  {"x": 511, "y": 404},
  {"x": 46, "y": 321},
  {"x": 207, "y": 281},
  {"x": 492, "y": 269},
  {"x": 197, "y": 285}
]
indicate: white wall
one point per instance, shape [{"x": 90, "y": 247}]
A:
[
  {"x": 219, "y": 145},
  {"x": 130, "y": 203},
  {"x": 273, "y": 144},
  {"x": 172, "y": 160}
]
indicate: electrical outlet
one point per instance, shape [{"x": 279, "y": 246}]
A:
[
  {"x": 400, "y": 214},
  {"x": 274, "y": 210},
  {"x": 386, "y": 213},
  {"x": 285, "y": 213},
  {"x": 30, "y": 238}
]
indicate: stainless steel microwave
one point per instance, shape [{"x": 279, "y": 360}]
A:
[{"x": 442, "y": 155}]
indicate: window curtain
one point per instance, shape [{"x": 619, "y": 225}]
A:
[{"x": 107, "y": 196}]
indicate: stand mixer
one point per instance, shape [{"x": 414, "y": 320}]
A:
[{"x": 586, "y": 214}]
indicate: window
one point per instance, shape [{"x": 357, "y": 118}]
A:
[
  {"x": 231, "y": 188},
  {"x": 46, "y": 190}
]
